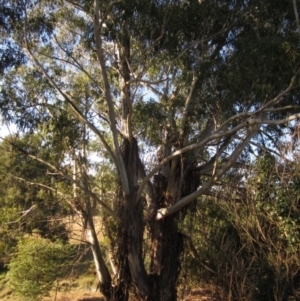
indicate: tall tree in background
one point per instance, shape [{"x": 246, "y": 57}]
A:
[
  {"x": 27, "y": 204},
  {"x": 176, "y": 92}
]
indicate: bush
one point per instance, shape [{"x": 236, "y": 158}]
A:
[
  {"x": 248, "y": 235},
  {"x": 37, "y": 263},
  {"x": 7, "y": 243}
]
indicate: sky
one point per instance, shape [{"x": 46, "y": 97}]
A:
[{"x": 6, "y": 130}]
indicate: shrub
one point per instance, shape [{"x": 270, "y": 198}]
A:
[{"x": 37, "y": 263}]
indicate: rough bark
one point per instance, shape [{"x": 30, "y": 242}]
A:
[
  {"x": 165, "y": 260},
  {"x": 166, "y": 240},
  {"x": 131, "y": 226}
]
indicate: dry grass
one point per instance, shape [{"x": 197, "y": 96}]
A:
[
  {"x": 74, "y": 295},
  {"x": 74, "y": 224}
]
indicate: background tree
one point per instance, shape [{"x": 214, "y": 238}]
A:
[
  {"x": 221, "y": 76},
  {"x": 26, "y": 203}
]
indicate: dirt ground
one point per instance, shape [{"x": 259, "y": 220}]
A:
[
  {"x": 199, "y": 294},
  {"x": 74, "y": 296}
]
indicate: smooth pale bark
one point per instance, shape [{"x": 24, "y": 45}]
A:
[
  {"x": 111, "y": 248},
  {"x": 100, "y": 266},
  {"x": 108, "y": 96}
]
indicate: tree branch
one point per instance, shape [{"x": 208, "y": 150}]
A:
[
  {"x": 63, "y": 174},
  {"x": 112, "y": 117},
  {"x": 38, "y": 184},
  {"x": 296, "y": 15},
  {"x": 77, "y": 112},
  {"x": 188, "y": 149},
  {"x": 78, "y": 6},
  {"x": 24, "y": 214},
  {"x": 186, "y": 113},
  {"x": 276, "y": 99},
  {"x": 163, "y": 212},
  {"x": 290, "y": 118},
  {"x": 264, "y": 107}
]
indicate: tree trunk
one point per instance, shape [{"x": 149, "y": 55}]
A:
[
  {"x": 166, "y": 247},
  {"x": 166, "y": 241},
  {"x": 100, "y": 266},
  {"x": 105, "y": 281},
  {"x": 131, "y": 229}
]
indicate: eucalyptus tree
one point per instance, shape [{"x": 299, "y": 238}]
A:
[
  {"x": 26, "y": 203},
  {"x": 176, "y": 92}
]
